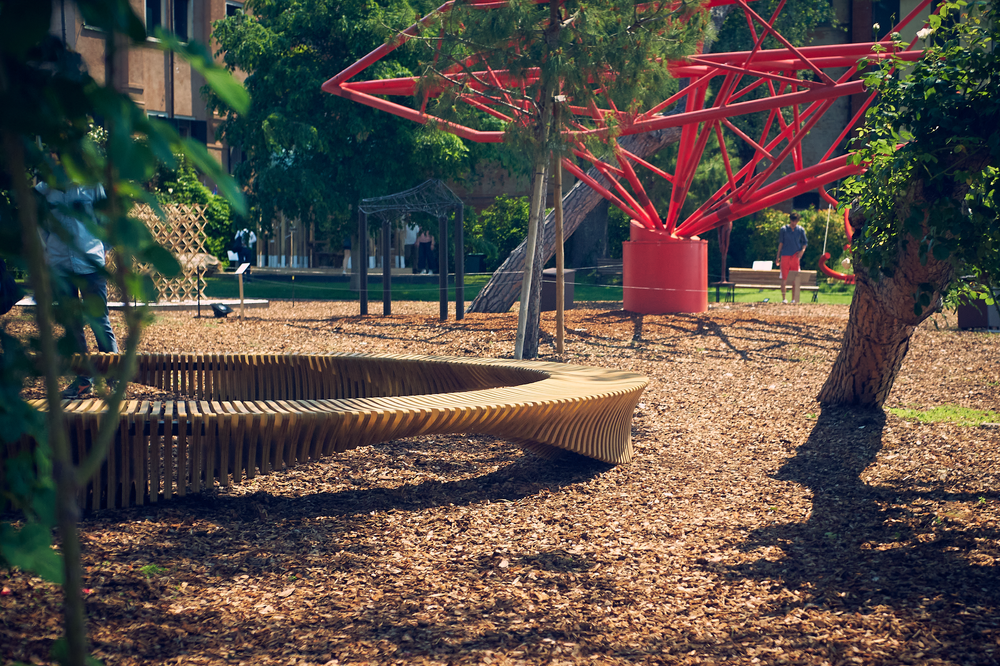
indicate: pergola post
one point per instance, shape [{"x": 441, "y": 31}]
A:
[
  {"x": 459, "y": 262},
  {"x": 361, "y": 261},
  {"x": 386, "y": 270},
  {"x": 443, "y": 263},
  {"x": 433, "y": 198}
]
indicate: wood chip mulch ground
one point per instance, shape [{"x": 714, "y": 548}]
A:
[{"x": 752, "y": 528}]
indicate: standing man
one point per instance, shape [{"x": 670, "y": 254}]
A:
[
  {"x": 791, "y": 246},
  {"x": 78, "y": 259},
  {"x": 346, "y": 247}
]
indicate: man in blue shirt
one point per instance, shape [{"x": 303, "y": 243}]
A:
[{"x": 791, "y": 246}]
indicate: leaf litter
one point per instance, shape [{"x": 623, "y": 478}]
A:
[{"x": 753, "y": 527}]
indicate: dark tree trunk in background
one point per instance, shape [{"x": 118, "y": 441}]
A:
[{"x": 504, "y": 288}]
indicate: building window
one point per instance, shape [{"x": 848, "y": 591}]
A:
[
  {"x": 181, "y": 15},
  {"x": 154, "y": 16},
  {"x": 885, "y": 14},
  {"x": 183, "y": 10},
  {"x": 233, "y": 8},
  {"x": 186, "y": 126}
]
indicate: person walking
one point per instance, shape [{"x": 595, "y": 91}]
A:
[
  {"x": 792, "y": 244},
  {"x": 78, "y": 259},
  {"x": 425, "y": 246},
  {"x": 244, "y": 242}
]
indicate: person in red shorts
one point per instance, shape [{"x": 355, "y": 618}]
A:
[{"x": 792, "y": 244}]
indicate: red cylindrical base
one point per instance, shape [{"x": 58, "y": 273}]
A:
[{"x": 668, "y": 275}]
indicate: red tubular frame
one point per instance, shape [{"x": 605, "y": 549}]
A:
[{"x": 746, "y": 191}]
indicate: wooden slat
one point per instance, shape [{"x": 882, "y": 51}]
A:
[
  {"x": 156, "y": 467},
  {"x": 167, "y": 450},
  {"x": 181, "y": 444}
]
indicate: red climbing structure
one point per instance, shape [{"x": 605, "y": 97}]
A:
[{"x": 798, "y": 89}]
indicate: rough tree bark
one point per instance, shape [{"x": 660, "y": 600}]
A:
[
  {"x": 533, "y": 329},
  {"x": 882, "y": 317},
  {"x": 504, "y": 288}
]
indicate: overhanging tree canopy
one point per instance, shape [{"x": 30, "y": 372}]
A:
[
  {"x": 310, "y": 155},
  {"x": 926, "y": 208}
]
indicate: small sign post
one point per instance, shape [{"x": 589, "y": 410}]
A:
[{"x": 240, "y": 271}]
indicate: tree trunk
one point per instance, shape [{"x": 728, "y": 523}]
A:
[
  {"x": 882, "y": 320},
  {"x": 503, "y": 289},
  {"x": 533, "y": 330},
  {"x": 528, "y": 317}
]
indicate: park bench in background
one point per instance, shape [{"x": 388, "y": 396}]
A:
[
  {"x": 232, "y": 416},
  {"x": 749, "y": 278},
  {"x": 608, "y": 266}
]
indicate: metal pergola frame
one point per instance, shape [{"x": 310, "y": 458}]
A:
[{"x": 433, "y": 198}]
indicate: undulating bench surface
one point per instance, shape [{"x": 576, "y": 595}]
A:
[{"x": 236, "y": 416}]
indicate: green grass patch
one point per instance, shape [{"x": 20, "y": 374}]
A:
[
  {"x": 334, "y": 289},
  {"x": 588, "y": 287},
  {"x": 830, "y": 294},
  {"x": 151, "y": 570},
  {"x": 271, "y": 287},
  {"x": 949, "y": 414}
]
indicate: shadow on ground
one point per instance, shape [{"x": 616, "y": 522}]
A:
[{"x": 864, "y": 546}]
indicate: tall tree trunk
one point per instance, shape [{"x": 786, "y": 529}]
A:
[
  {"x": 529, "y": 316},
  {"x": 533, "y": 331},
  {"x": 882, "y": 320},
  {"x": 503, "y": 289}
]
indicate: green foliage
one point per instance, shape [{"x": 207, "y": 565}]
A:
[
  {"x": 941, "y": 187},
  {"x": 151, "y": 570},
  {"x": 499, "y": 229},
  {"x": 962, "y": 416},
  {"x": 590, "y": 41},
  {"x": 797, "y": 22},
  {"x": 310, "y": 154},
  {"x": 182, "y": 185},
  {"x": 47, "y": 106},
  {"x": 618, "y": 231},
  {"x": 761, "y": 242}
]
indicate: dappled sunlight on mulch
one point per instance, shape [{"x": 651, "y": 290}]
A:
[{"x": 753, "y": 527}]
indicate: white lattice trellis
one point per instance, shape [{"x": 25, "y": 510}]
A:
[{"x": 183, "y": 234}]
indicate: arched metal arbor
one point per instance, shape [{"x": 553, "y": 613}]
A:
[
  {"x": 800, "y": 84},
  {"x": 434, "y": 198}
]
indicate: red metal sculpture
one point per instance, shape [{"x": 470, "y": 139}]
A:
[{"x": 799, "y": 91}]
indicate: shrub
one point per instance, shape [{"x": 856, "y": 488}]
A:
[
  {"x": 498, "y": 230},
  {"x": 183, "y": 186}
]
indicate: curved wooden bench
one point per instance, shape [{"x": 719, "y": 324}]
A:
[{"x": 250, "y": 414}]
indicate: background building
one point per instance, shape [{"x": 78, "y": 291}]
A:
[{"x": 164, "y": 86}]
